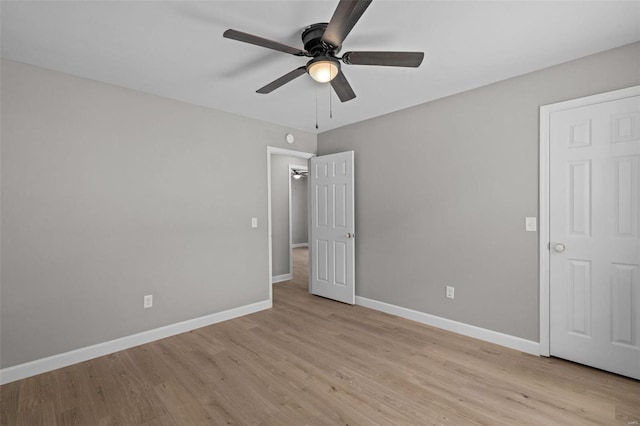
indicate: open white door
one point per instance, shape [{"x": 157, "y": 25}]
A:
[
  {"x": 332, "y": 245},
  {"x": 594, "y": 235}
]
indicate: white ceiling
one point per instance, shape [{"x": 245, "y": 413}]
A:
[{"x": 176, "y": 49}]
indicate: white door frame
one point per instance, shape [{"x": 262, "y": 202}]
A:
[
  {"x": 544, "y": 188},
  {"x": 272, "y": 150}
]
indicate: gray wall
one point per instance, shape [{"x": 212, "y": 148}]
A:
[
  {"x": 109, "y": 194},
  {"x": 442, "y": 190},
  {"x": 299, "y": 218},
  {"x": 280, "y": 212}
]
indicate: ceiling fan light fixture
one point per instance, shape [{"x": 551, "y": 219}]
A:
[{"x": 323, "y": 69}]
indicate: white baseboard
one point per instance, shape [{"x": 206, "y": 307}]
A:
[
  {"x": 280, "y": 278},
  {"x": 296, "y": 245},
  {"x": 54, "y": 362},
  {"x": 513, "y": 342}
]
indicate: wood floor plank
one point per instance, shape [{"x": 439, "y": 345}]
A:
[
  {"x": 9, "y": 396},
  {"x": 312, "y": 361}
]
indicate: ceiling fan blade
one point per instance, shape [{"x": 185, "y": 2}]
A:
[
  {"x": 342, "y": 88},
  {"x": 389, "y": 59},
  {"x": 344, "y": 18},
  {"x": 282, "y": 80},
  {"x": 263, "y": 42}
]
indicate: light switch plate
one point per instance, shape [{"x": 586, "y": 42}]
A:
[
  {"x": 530, "y": 224},
  {"x": 254, "y": 222},
  {"x": 450, "y": 292}
]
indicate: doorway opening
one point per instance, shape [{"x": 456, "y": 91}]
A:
[
  {"x": 298, "y": 211},
  {"x": 281, "y": 254}
]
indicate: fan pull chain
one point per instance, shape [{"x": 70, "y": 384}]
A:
[
  {"x": 316, "y": 107},
  {"x": 330, "y": 102}
]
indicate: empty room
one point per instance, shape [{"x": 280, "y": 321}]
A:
[{"x": 320, "y": 212}]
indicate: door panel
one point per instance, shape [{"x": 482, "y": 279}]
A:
[
  {"x": 340, "y": 202},
  {"x": 322, "y": 260},
  {"x": 579, "y": 312},
  {"x": 340, "y": 263},
  {"x": 625, "y": 191},
  {"x": 595, "y": 246},
  {"x": 579, "y": 198},
  {"x": 332, "y": 227},
  {"x": 624, "y": 285}
]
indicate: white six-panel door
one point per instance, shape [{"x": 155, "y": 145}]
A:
[
  {"x": 332, "y": 245},
  {"x": 594, "y": 215}
]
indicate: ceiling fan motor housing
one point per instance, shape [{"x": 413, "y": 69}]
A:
[{"x": 312, "y": 39}]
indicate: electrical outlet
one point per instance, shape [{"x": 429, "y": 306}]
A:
[
  {"x": 148, "y": 301},
  {"x": 450, "y": 292},
  {"x": 254, "y": 222}
]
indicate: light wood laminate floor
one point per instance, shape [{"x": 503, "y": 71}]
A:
[{"x": 313, "y": 361}]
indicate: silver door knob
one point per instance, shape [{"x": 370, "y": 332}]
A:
[
  {"x": 350, "y": 235},
  {"x": 559, "y": 247}
]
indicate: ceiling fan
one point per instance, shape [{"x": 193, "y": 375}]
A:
[
  {"x": 322, "y": 42},
  {"x": 299, "y": 173}
]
